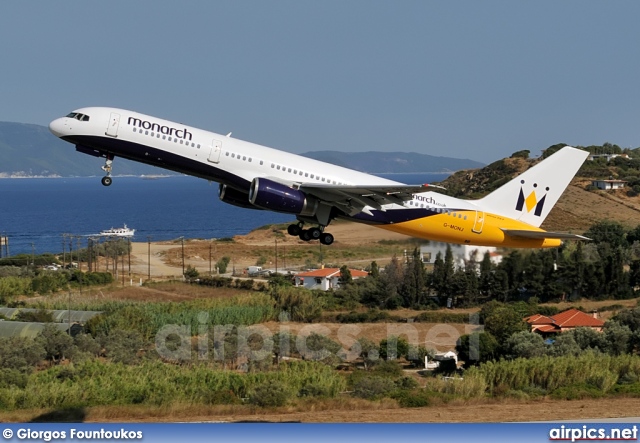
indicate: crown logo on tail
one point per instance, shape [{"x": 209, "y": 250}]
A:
[{"x": 531, "y": 201}]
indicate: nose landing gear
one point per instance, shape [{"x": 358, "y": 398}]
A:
[{"x": 107, "y": 180}]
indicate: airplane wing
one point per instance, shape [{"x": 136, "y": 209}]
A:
[
  {"x": 353, "y": 199},
  {"x": 543, "y": 234}
]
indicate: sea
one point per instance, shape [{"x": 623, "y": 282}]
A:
[{"x": 37, "y": 214}]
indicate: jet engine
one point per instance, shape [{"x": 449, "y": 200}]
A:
[
  {"x": 269, "y": 194},
  {"x": 234, "y": 197}
]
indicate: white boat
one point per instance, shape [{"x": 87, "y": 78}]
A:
[{"x": 118, "y": 232}]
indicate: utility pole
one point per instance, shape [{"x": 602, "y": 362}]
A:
[
  {"x": 129, "y": 253},
  {"x": 210, "y": 257},
  {"x": 64, "y": 251},
  {"x": 149, "y": 256},
  {"x": 182, "y": 239},
  {"x": 276, "y": 240}
]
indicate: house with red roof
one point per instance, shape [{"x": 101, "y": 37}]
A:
[
  {"x": 563, "y": 322},
  {"x": 325, "y": 279}
]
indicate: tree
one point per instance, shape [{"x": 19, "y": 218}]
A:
[
  {"x": 477, "y": 348},
  {"x": 368, "y": 352},
  {"x": 525, "y": 344},
  {"x": 521, "y": 154},
  {"x": 391, "y": 280},
  {"x": 618, "y": 337},
  {"x": 57, "y": 344},
  {"x": 20, "y": 353},
  {"x": 375, "y": 270},
  {"x": 504, "y": 322},
  {"x": 122, "y": 346},
  {"x": 486, "y": 268},
  {"x": 588, "y": 338},
  {"x": 191, "y": 273},
  {"x": 607, "y": 231},
  {"x": 222, "y": 264},
  {"x": 564, "y": 344},
  {"x": 345, "y": 276},
  {"x": 393, "y": 348}
]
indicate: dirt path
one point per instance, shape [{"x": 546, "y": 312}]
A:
[{"x": 166, "y": 257}]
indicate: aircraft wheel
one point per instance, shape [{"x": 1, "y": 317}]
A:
[
  {"x": 106, "y": 181},
  {"x": 294, "y": 230},
  {"x": 304, "y": 235},
  {"x": 315, "y": 233},
  {"x": 326, "y": 238}
]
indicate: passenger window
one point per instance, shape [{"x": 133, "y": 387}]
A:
[
  {"x": 135, "y": 129},
  {"x": 233, "y": 156},
  {"x": 289, "y": 170},
  {"x": 278, "y": 167},
  {"x": 261, "y": 162},
  {"x": 198, "y": 145},
  {"x": 146, "y": 132},
  {"x": 272, "y": 165},
  {"x": 249, "y": 159},
  {"x": 311, "y": 175},
  {"x": 244, "y": 157},
  {"x": 152, "y": 134},
  {"x": 306, "y": 174},
  {"x": 227, "y": 154}
]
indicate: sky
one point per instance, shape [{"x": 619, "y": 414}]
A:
[{"x": 464, "y": 79}]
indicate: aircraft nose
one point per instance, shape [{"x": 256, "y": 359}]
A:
[{"x": 57, "y": 127}]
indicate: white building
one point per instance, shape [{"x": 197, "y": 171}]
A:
[
  {"x": 325, "y": 279},
  {"x": 608, "y": 184},
  {"x": 462, "y": 254}
]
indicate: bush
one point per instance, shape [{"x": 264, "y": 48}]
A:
[
  {"x": 57, "y": 344},
  {"x": 373, "y": 387},
  {"x": 20, "y": 353},
  {"x": 413, "y": 399},
  {"x": 122, "y": 346},
  {"x": 270, "y": 394},
  {"x": 12, "y": 377}
]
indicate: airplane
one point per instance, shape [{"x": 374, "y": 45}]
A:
[{"x": 315, "y": 192}]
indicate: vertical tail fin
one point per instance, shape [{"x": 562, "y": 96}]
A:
[{"x": 530, "y": 196}]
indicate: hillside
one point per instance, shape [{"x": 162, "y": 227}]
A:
[{"x": 31, "y": 150}]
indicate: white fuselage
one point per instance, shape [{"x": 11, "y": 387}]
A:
[{"x": 258, "y": 177}]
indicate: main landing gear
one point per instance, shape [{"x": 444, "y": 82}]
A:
[
  {"x": 310, "y": 234},
  {"x": 107, "y": 180}
]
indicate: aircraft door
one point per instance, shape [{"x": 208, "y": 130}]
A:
[
  {"x": 216, "y": 149},
  {"x": 479, "y": 222},
  {"x": 114, "y": 122}
]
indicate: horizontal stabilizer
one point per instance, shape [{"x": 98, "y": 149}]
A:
[{"x": 543, "y": 234}]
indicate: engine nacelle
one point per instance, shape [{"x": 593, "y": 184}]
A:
[
  {"x": 275, "y": 196},
  {"x": 234, "y": 197}
]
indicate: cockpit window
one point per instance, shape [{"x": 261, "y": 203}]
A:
[{"x": 78, "y": 116}]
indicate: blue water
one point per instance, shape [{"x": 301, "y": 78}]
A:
[{"x": 39, "y": 211}]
